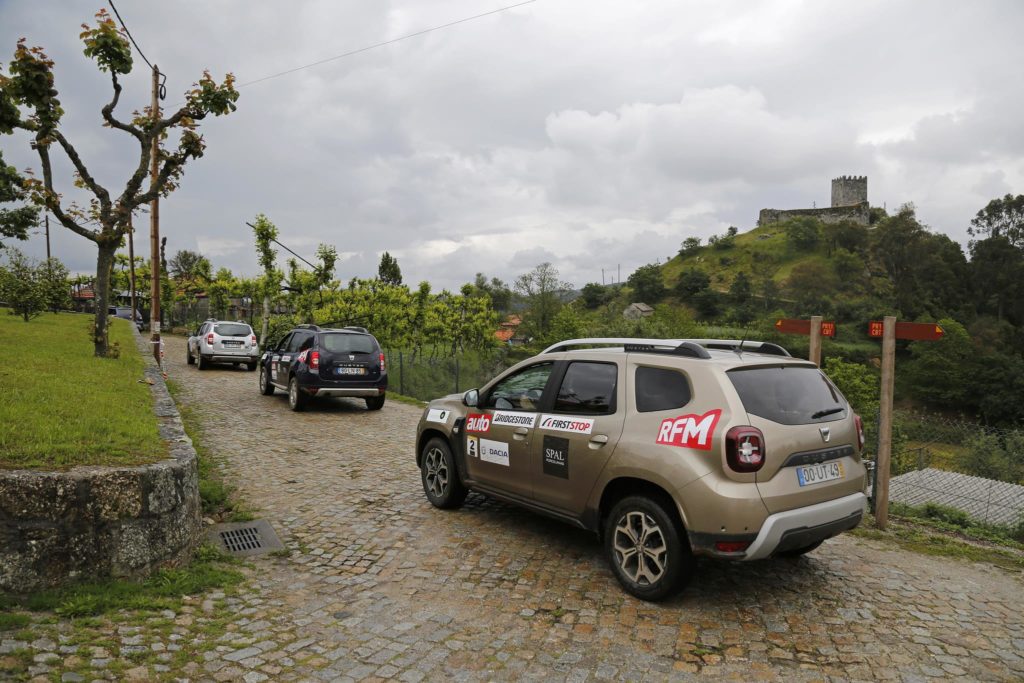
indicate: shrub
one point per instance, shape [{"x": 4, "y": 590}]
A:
[{"x": 947, "y": 514}]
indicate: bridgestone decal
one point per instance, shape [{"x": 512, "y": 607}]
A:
[
  {"x": 689, "y": 431},
  {"x": 438, "y": 415},
  {"x": 561, "y": 423},
  {"x": 494, "y": 451},
  {"x": 503, "y": 418}
]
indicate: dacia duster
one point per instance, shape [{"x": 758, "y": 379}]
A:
[{"x": 667, "y": 449}]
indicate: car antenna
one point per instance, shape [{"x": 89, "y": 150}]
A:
[{"x": 746, "y": 331}]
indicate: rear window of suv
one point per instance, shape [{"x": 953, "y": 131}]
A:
[
  {"x": 789, "y": 395},
  {"x": 232, "y": 330},
  {"x": 341, "y": 342}
]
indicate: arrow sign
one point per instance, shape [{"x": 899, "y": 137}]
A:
[
  {"x": 795, "y": 326},
  {"x": 913, "y": 331}
]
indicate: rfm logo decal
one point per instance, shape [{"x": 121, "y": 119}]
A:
[
  {"x": 477, "y": 423},
  {"x": 689, "y": 431}
]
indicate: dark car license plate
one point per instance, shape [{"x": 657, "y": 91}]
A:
[{"x": 350, "y": 371}]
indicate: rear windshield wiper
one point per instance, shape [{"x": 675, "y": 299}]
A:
[{"x": 823, "y": 413}]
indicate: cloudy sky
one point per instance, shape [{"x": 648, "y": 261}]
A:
[{"x": 589, "y": 134}]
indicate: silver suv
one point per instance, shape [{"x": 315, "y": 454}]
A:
[
  {"x": 667, "y": 449},
  {"x": 223, "y": 341}
]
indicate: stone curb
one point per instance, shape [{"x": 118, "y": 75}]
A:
[{"x": 92, "y": 522}]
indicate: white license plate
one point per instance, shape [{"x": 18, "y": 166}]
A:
[
  {"x": 350, "y": 371},
  {"x": 816, "y": 474},
  {"x": 232, "y": 343}
]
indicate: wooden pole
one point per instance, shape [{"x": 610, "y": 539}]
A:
[
  {"x": 814, "y": 353},
  {"x": 882, "y": 463},
  {"x": 47, "y": 237},
  {"x": 131, "y": 267},
  {"x": 154, "y": 230}
]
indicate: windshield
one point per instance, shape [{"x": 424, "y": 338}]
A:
[
  {"x": 342, "y": 342},
  {"x": 232, "y": 330},
  {"x": 789, "y": 395}
]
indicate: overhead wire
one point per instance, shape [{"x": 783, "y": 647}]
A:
[
  {"x": 163, "y": 76},
  {"x": 386, "y": 42}
]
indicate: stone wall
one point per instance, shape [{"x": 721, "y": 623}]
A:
[
  {"x": 96, "y": 522},
  {"x": 858, "y": 213}
]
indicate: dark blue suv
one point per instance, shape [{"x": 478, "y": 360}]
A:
[{"x": 313, "y": 361}]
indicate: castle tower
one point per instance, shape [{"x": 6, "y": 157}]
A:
[{"x": 849, "y": 190}]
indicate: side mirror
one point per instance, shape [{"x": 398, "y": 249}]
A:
[{"x": 471, "y": 398}]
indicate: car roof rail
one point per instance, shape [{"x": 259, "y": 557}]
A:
[
  {"x": 681, "y": 347},
  {"x": 741, "y": 345},
  {"x": 356, "y": 328},
  {"x": 307, "y": 326},
  {"x": 695, "y": 348}
]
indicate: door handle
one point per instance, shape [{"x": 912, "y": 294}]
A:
[
  {"x": 519, "y": 433},
  {"x": 598, "y": 440}
]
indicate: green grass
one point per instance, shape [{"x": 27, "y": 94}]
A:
[
  {"x": 60, "y": 406},
  {"x": 164, "y": 590}
]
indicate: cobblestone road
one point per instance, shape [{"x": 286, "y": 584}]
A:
[{"x": 380, "y": 584}]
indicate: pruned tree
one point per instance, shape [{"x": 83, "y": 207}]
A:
[
  {"x": 28, "y": 102},
  {"x": 542, "y": 290},
  {"x": 270, "y": 284}
]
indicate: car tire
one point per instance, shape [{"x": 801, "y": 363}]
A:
[
  {"x": 251, "y": 366},
  {"x": 440, "y": 478},
  {"x": 645, "y": 549},
  {"x": 191, "y": 360},
  {"x": 202, "y": 363},
  {"x": 266, "y": 388},
  {"x": 799, "y": 552},
  {"x": 296, "y": 398},
  {"x": 375, "y": 403}
]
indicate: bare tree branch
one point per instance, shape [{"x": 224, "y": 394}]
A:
[
  {"x": 90, "y": 182},
  {"x": 108, "y": 111},
  {"x": 52, "y": 204}
]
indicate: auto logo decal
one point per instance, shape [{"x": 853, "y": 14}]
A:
[{"x": 825, "y": 434}]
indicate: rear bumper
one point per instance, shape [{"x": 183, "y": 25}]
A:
[
  {"x": 356, "y": 392},
  {"x": 803, "y": 526},
  {"x": 231, "y": 358}
]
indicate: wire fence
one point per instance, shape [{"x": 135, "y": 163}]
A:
[
  {"x": 958, "y": 470},
  {"x": 429, "y": 374}
]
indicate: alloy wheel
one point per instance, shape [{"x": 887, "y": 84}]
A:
[
  {"x": 640, "y": 548},
  {"x": 437, "y": 475}
]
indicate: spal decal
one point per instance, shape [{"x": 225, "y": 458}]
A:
[
  {"x": 556, "y": 456},
  {"x": 690, "y": 431},
  {"x": 562, "y": 423},
  {"x": 494, "y": 451},
  {"x": 478, "y": 423},
  {"x": 509, "y": 419},
  {"x": 438, "y": 415}
]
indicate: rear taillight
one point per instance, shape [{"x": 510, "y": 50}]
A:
[
  {"x": 744, "y": 449},
  {"x": 253, "y": 339},
  {"x": 382, "y": 366},
  {"x": 314, "y": 360},
  {"x": 860, "y": 430},
  {"x": 209, "y": 339}
]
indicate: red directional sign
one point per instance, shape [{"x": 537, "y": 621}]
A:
[
  {"x": 794, "y": 326},
  {"x": 914, "y": 331}
]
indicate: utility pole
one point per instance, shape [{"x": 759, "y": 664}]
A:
[
  {"x": 154, "y": 230},
  {"x": 131, "y": 266},
  {"x": 814, "y": 351},
  {"x": 47, "y": 237}
]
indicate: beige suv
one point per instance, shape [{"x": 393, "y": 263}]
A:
[{"x": 665, "y": 448}]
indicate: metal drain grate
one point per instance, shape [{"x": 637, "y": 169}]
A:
[{"x": 245, "y": 538}]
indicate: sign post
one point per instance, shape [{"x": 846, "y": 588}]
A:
[
  {"x": 890, "y": 330},
  {"x": 816, "y": 328}
]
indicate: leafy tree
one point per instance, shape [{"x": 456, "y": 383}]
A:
[
  {"x": 708, "y": 303},
  {"x": 265, "y": 233},
  {"x": 845, "y": 235},
  {"x": 594, "y": 295},
  {"x": 388, "y": 270},
  {"x": 542, "y": 291},
  {"x": 690, "y": 245},
  {"x": 647, "y": 283},
  {"x": 939, "y": 371},
  {"x": 1001, "y": 218},
  {"x": 849, "y": 267},
  {"x": 20, "y": 286},
  {"x": 567, "y": 324},
  {"x": 997, "y": 274},
  {"x": 803, "y": 233},
  {"x": 499, "y": 292},
  {"x": 17, "y": 221},
  {"x": 741, "y": 290},
  {"x": 30, "y": 86},
  {"x": 191, "y": 273},
  {"x": 692, "y": 282},
  {"x": 859, "y": 384},
  {"x": 810, "y": 285},
  {"x": 55, "y": 284},
  {"x": 219, "y": 291}
]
